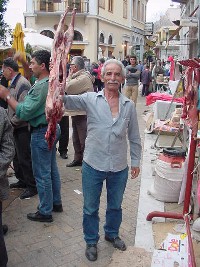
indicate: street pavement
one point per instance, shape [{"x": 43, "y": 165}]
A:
[{"x": 61, "y": 243}]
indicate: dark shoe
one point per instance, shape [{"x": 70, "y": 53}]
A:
[
  {"x": 27, "y": 194},
  {"x": 91, "y": 252},
  {"x": 5, "y": 229},
  {"x": 117, "y": 242},
  {"x": 17, "y": 185},
  {"x": 74, "y": 163},
  {"x": 38, "y": 217},
  {"x": 57, "y": 208},
  {"x": 64, "y": 155}
]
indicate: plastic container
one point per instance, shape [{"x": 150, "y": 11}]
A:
[{"x": 169, "y": 174}]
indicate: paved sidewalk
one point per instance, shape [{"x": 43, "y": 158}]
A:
[{"x": 61, "y": 243}]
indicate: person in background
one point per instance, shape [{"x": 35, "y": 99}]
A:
[
  {"x": 63, "y": 141},
  {"x": 132, "y": 80},
  {"x": 94, "y": 66},
  {"x": 151, "y": 68},
  {"x": 145, "y": 79},
  {"x": 7, "y": 152},
  {"x": 111, "y": 120},
  {"x": 100, "y": 84},
  {"x": 126, "y": 61},
  {"x": 158, "y": 69},
  {"x": 3, "y": 82},
  {"x": 45, "y": 168},
  {"x": 78, "y": 82},
  {"x": 64, "y": 137},
  {"x": 19, "y": 87}
]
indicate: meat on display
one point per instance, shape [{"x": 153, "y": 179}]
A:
[{"x": 58, "y": 74}]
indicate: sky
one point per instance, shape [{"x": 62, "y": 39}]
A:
[
  {"x": 15, "y": 9},
  {"x": 155, "y": 8}
]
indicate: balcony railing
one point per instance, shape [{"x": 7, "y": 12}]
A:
[{"x": 82, "y": 6}]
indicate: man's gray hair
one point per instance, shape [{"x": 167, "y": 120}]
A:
[
  {"x": 113, "y": 61},
  {"x": 79, "y": 62}
]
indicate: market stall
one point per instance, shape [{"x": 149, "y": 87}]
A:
[{"x": 191, "y": 121}]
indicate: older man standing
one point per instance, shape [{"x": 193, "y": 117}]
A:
[
  {"x": 111, "y": 117},
  {"x": 22, "y": 163},
  {"x": 79, "y": 81}
]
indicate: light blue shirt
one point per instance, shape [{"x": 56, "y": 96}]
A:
[{"x": 106, "y": 142}]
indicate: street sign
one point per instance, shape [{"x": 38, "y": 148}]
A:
[
  {"x": 189, "y": 22},
  {"x": 148, "y": 28}
]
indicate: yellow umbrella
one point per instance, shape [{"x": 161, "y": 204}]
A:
[{"x": 18, "y": 43}]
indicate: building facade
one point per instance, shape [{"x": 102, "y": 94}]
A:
[
  {"x": 103, "y": 28},
  {"x": 189, "y": 28}
]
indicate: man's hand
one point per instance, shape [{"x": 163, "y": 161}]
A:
[
  {"x": 135, "y": 172},
  {"x": 4, "y": 92},
  {"x": 19, "y": 56}
]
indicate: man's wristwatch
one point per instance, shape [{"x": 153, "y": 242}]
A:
[{"x": 7, "y": 98}]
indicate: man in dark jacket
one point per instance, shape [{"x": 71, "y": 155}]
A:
[
  {"x": 7, "y": 152},
  {"x": 19, "y": 87}
]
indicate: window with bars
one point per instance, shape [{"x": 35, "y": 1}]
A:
[
  {"x": 46, "y": 5},
  {"x": 110, "y": 5},
  {"x": 78, "y": 36},
  {"x": 125, "y": 9},
  {"x": 110, "y": 39},
  {"x": 102, "y": 3},
  {"x": 101, "y": 38},
  {"x": 74, "y": 3}
]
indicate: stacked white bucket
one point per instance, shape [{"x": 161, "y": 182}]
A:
[{"x": 167, "y": 180}]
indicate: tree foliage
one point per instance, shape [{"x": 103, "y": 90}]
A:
[{"x": 4, "y": 27}]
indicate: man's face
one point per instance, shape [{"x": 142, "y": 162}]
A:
[
  {"x": 36, "y": 68},
  {"x": 73, "y": 68},
  {"x": 7, "y": 72},
  {"x": 113, "y": 77},
  {"x": 133, "y": 61}
]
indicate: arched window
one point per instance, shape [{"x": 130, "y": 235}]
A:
[
  {"x": 110, "y": 39},
  {"x": 78, "y": 36},
  {"x": 48, "y": 33},
  {"x": 101, "y": 39}
]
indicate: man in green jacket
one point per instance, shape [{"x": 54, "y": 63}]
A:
[{"x": 32, "y": 109}]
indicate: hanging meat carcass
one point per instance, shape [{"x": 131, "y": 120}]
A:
[{"x": 58, "y": 73}]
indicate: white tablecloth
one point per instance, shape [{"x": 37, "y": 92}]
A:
[{"x": 161, "y": 107}]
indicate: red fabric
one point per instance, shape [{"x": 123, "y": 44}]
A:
[
  {"x": 151, "y": 98},
  {"x": 172, "y": 67}
]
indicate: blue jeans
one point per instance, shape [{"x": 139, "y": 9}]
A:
[
  {"x": 45, "y": 170},
  {"x": 92, "y": 182}
]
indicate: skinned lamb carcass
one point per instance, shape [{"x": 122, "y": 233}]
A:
[{"x": 59, "y": 57}]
